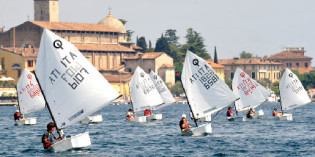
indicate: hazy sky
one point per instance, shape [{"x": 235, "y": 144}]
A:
[{"x": 261, "y": 27}]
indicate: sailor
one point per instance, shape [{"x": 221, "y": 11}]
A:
[
  {"x": 183, "y": 124},
  {"x": 147, "y": 112},
  {"x": 130, "y": 114},
  {"x": 48, "y": 137},
  {"x": 17, "y": 115},
  {"x": 250, "y": 113},
  {"x": 229, "y": 113},
  {"x": 275, "y": 112}
]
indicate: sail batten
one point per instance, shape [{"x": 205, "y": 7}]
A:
[
  {"x": 250, "y": 92},
  {"x": 73, "y": 87},
  {"x": 161, "y": 87},
  {"x": 29, "y": 93},
  {"x": 292, "y": 92},
  {"x": 143, "y": 93},
  {"x": 205, "y": 90}
]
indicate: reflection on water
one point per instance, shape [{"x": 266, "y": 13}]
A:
[{"x": 116, "y": 136}]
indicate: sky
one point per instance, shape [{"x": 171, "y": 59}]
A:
[{"x": 261, "y": 27}]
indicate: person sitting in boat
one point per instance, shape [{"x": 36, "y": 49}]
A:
[
  {"x": 250, "y": 113},
  {"x": 17, "y": 115},
  {"x": 130, "y": 114},
  {"x": 147, "y": 112},
  {"x": 229, "y": 113},
  {"x": 48, "y": 137},
  {"x": 275, "y": 112},
  {"x": 183, "y": 124}
]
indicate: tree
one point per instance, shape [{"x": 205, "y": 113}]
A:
[
  {"x": 215, "y": 55},
  {"x": 150, "y": 49},
  {"x": 171, "y": 37},
  {"x": 129, "y": 32},
  {"x": 246, "y": 55},
  {"x": 142, "y": 43},
  {"x": 275, "y": 87},
  {"x": 177, "y": 89},
  {"x": 195, "y": 44},
  {"x": 163, "y": 46}
]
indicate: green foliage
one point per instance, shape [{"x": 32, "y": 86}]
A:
[
  {"x": 215, "y": 55},
  {"x": 246, "y": 55},
  {"x": 228, "y": 82},
  {"x": 129, "y": 35},
  {"x": 264, "y": 82},
  {"x": 171, "y": 37},
  {"x": 142, "y": 43},
  {"x": 195, "y": 44},
  {"x": 163, "y": 46},
  {"x": 275, "y": 87},
  {"x": 123, "y": 21},
  {"x": 177, "y": 88}
]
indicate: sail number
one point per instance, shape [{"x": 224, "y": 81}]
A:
[
  {"x": 74, "y": 72},
  {"x": 247, "y": 86},
  {"x": 146, "y": 86},
  {"x": 295, "y": 86},
  {"x": 206, "y": 76}
]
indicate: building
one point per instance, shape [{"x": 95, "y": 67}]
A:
[
  {"x": 218, "y": 68},
  {"x": 294, "y": 59},
  {"x": 159, "y": 62},
  {"x": 104, "y": 44},
  {"x": 120, "y": 84},
  {"x": 258, "y": 69}
]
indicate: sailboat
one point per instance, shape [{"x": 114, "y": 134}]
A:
[
  {"x": 206, "y": 92},
  {"x": 143, "y": 94},
  {"x": 30, "y": 97},
  {"x": 92, "y": 119},
  {"x": 165, "y": 94},
  {"x": 292, "y": 94},
  {"x": 71, "y": 86},
  {"x": 251, "y": 94}
]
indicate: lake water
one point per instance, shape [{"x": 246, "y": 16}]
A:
[{"x": 117, "y": 137}]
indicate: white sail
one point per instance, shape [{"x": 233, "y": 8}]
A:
[
  {"x": 165, "y": 93},
  {"x": 249, "y": 92},
  {"x": 205, "y": 91},
  {"x": 29, "y": 93},
  {"x": 72, "y": 86},
  {"x": 143, "y": 92},
  {"x": 265, "y": 92},
  {"x": 292, "y": 92}
]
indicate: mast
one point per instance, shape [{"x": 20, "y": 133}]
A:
[
  {"x": 235, "y": 109},
  {"x": 280, "y": 103},
  {"x": 195, "y": 120},
  {"x": 17, "y": 95},
  {"x": 52, "y": 116}
]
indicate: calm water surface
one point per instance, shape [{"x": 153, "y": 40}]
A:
[{"x": 117, "y": 137}]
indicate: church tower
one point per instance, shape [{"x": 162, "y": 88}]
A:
[{"x": 46, "y": 10}]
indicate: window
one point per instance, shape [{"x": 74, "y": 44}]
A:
[
  {"x": 2, "y": 64},
  {"x": 244, "y": 67},
  {"x": 253, "y": 75},
  {"x": 232, "y": 75},
  {"x": 269, "y": 75},
  {"x": 129, "y": 69},
  {"x": 30, "y": 63},
  {"x": 306, "y": 64},
  {"x": 274, "y": 75},
  {"x": 297, "y": 65},
  {"x": 289, "y": 64}
]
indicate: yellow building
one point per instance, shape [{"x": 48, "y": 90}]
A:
[
  {"x": 218, "y": 68},
  {"x": 121, "y": 84}
]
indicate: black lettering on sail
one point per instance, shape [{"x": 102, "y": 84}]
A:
[{"x": 73, "y": 56}]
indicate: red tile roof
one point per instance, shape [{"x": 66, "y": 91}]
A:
[
  {"x": 25, "y": 52},
  {"x": 288, "y": 55},
  {"x": 147, "y": 55},
  {"x": 136, "y": 47},
  {"x": 74, "y": 26},
  {"x": 215, "y": 65},
  {"x": 245, "y": 61},
  {"x": 100, "y": 47},
  {"x": 118, "y": 78},
  {"x": 167, "y": 66}
]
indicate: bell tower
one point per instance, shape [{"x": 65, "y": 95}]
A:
[{"x": 46, "y": 10}]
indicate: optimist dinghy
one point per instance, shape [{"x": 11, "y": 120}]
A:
[
  {"x": 206, "y": 92},
  {"x": 292, "y": 94},
  {"x": 251, "y": 94},
  {"x": 30, "y": 97},
  {"x": 71, "y": 86},
  {"x": 165, "y": 94},
  {"x": 92, "y": 119},
  {"x": 143, "y": 94}
]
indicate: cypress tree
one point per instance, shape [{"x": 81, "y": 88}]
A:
[{"x": 215, "y": 55}]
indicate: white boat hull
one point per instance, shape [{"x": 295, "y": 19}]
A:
[
  {"x": 78, "y": 141},
  {"x": 155, "y": 117},
  {"x": 92, "y": 119},
  {"x": 286, "y": 116},
  {"x": 258, "y": 114},
  {"x": 202, "y": 130},
  {"x": 26, "y": 121},
  {"x": 141, "y": 119},
  {"x": 237, "y": 118},
  {"x": 206, "y": 119}
]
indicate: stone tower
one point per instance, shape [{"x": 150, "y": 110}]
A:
[{"x": 46, "y": 10}]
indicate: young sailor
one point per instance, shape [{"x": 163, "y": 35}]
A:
[
  {"x": 229, "y": 113},
  {"x": 48, "y": 137},
  {"x": 130, "y": 114},
  {"x": 147, "y": 112},
  {"x": 250, "y": 113},
  {"x": 183, "y": 124},
  {"x": 16, "y": 115},
  {"x": 275, "y": 112}
]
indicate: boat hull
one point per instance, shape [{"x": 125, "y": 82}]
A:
[
  {"x": 155, "y": 117},
  {"x": 237, "y": 118},
  {"x": 201, "y": 130},
  {"x": 286, "y": 116},
  {"x": 26, "y": 121},
  {"x": 75, "y": 142},
  {"x": 206, "y": 119},
  {"x": 258, "y": 114},
  {"x": 141, "y": 119},
  {"x": 92, "y": 119}
]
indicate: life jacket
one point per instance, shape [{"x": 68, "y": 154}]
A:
[
  {"x": 186, "y": 124},
  {"x": 228, "y": 113},
  {"x": 16, "y": 115},
  {"x": 274, "y": 113},
  {"x": 50, "y": 136}
]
